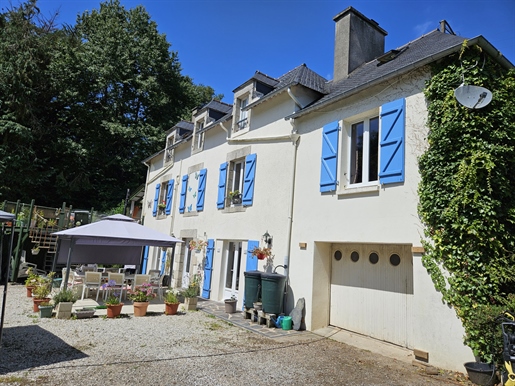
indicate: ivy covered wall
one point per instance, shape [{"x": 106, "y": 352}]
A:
[{"x": 467, "y": 194}]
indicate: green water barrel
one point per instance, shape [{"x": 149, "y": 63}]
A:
[
  {"x": 252, "y": 287},
  {"x": 272, "y": 292}
]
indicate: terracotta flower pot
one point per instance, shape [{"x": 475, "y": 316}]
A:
[
  {"x": 140, "y": 308},
  {"x": 114, "y": 310},
  {"x": 37, "y": 302},
  {"x": 29, "y": 291},
  {"x": 171, "y": 308}
]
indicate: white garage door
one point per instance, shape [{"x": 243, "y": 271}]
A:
[{"x": 372, "y": 290}]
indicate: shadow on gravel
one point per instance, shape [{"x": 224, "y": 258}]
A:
[{"x": 32, "y": 346}]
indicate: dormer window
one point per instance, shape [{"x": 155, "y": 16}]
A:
[
  {"x": 242, "y": 122},
  {"x": 169, "y": 151},
  {"x": 199, "y": 137}
]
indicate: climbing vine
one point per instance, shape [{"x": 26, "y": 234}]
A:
[{"x": 467, "y": 194}]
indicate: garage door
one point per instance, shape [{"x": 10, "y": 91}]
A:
[{"x": 372, "y": 290}]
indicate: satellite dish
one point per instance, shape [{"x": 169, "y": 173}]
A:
[{"x": 473, "y": 97}]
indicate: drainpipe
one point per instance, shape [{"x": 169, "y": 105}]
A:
[
  {"x": 297, "y": 102},
  {"x": 290, "y": 214}
]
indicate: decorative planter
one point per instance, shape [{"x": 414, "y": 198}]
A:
[
  {"x": 171, "y": 308},
  {"x": 85, "y": 313},
  {"x": 35, "y": 251},
  {"x": 29, "y": 291},
  {"x": 190, "y": 303},
  {"x": 45, "y": 311},
  {"x": 140, "y": 308},
  {"x": 236, "y": 199},
  {"x": 37, "y": 302},
  {"x": 230, "y": 305},
  {"x": 114, "y": 310},
  {"x": 481, "y": 373},
  {"x": 64, "y": 310}
]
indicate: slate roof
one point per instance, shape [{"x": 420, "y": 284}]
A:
[
  {"x": 300, "y": 75},
  {"x": 415, "y": 54},
  {"x": 260, "y": 77},
  {"x": 216, "y": 105}
]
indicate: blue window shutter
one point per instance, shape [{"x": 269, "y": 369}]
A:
[
  {"x": 201, "y": 189},
  {"x": 156, "y": 200},
  {"x": 208, "y": 269},
  {"x": 248, "y": 181},
  {"x": 329, "y": 157},
  {"x": 220, "y": 202},
  {"x": 169, "y": 197},
  {"x": 163, "y": 262},
  {"x": 252, "y": 261},
  {"x": 392, "y": 143},
  {"x": 184, "y": 186}
]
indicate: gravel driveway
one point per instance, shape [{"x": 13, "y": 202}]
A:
[{"x": 191, "y": 348}]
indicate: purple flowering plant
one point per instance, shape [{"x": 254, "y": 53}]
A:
[
  {"x": 114, "y": 298},
  {"x": 142, "y": 293}
]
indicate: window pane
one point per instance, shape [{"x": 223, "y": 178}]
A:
[
  {"x": 373, "y": 149},
  {"x": 356, "y": 158},
  {"x": 237, "y": 176},
  {"x": 229, "y": 269}
]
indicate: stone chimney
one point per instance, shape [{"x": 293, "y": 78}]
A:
[{"x": 358, "y": 40}]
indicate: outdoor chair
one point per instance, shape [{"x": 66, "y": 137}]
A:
[
  {"x": 119, "y": 284},
  {"x": 161, "y": 284},
  {"x": 154, "y": 275},
  {"x": 139, "y": 279},
  {"x": 92, "y": 280}
]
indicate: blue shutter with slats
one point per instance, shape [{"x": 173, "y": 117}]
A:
[
  {"x": 328, "y": 168},
  {"x": 201, "y": 189},
  {"x": 163, "y": 262},
  {"x": 248, "y": 181},
  {"x": 391, "y": 168},
  {"x": 184, "y": 186},
  {"x": 220, "y": 202},
  {"x": 208, "y": 269},
  {"x": 156, "y": 200},
  {"x": 169, "y": 197}
]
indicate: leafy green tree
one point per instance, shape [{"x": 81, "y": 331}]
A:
[{"x": 82, "y": 106}]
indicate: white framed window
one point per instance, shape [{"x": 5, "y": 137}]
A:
[
  {"x": 243, "y": 114},
  {"x": 235, "y": 181},
  {"x": 199, "y": 137},
  {"x": 363, "y": 155},
  {"x": 169, "y": 152}
]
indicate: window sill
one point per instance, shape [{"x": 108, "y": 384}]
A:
[
  {"x": 234, "y": 209},
  {"x": 346, "y": 191},
  {"x": 190, "y": 214},
  {"x": 240, "y": 132}
]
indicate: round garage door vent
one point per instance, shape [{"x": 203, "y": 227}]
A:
[
  {"x": 395, "y": 260},
  {"x": 373, "y": 258},
  {"x": 338, "y": 255}
]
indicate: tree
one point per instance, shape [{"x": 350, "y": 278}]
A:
[{"x": 82, "y": 106}]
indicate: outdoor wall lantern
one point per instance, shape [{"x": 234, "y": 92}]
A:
[{"x": 267, "y": 239}]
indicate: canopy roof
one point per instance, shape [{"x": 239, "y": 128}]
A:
[
  {"x": 116, "y": 239},
  {"x": 5, "y": 216},
  {"x": 117, "y": 230}
]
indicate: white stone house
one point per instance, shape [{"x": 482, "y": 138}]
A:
[{"x": 329, "y": 169}]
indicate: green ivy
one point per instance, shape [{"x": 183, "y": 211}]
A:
[{"x": 467, "y": 195}]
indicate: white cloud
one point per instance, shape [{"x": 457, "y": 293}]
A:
[{"x": 423, "y": 28}]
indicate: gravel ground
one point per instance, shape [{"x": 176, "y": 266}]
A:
[{"x": 190, "y": 348}]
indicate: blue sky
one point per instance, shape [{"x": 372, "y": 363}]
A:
[{"x": 221, "y": 43}]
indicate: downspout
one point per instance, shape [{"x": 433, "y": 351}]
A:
[
  {"x": 295, "y": 140},
  {"x": 297, "y": 102}
]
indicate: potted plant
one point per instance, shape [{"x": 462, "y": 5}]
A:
[
  {"x": 230, "y": 305},
  {"x": 197, "y": 245},
  {"x": 42, "y": 290},
  {"x": 84, "y": 313},
  {"x": 235, "y": 197},
  {"x": 32, "y": 281},
  {"x": 140, "y": 297},
  {"x": 264, "y": 254},
  {"x": 190, "y": 294},
  {"x": 63, "y": 302},
  {"x": 114, "y": 306},
  {"x": 35, "y": 249},
  {"x": 161, "y": 206},
  {"x": 171, "y": 302},
  {"x": 45, "y": 310}
]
